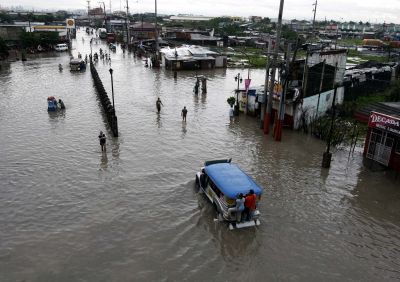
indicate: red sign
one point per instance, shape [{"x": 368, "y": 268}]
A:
[
  {"x": 247, "y": 83},
  {"x": 377, "y": 120}
]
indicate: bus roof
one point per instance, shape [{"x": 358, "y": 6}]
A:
[{"x": 231, "y": 180}]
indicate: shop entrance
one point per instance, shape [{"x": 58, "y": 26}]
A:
[{"x": 380, "y": 146}]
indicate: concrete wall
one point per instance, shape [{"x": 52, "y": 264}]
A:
[{"x": 310, "y": 105}]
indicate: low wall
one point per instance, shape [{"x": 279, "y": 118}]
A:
[{"x": 105, "y": 101}]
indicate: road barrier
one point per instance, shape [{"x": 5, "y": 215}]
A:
[{"x": 105, "y": 101}]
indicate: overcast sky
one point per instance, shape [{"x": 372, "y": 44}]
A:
[{"x": 356, "y": 10}]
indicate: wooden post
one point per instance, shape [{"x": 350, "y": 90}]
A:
[
  {"x": 320, "y": 88},
  {"x": 281, "y": 109},
  {"x": 267, "y": 67},
  {"x": 204, "y": 85},
  {"x": 327, "y": 156}
]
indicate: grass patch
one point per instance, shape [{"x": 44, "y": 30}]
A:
[
  {"x": 354, "y": 53},
  {"x": 350, "y": 41}
]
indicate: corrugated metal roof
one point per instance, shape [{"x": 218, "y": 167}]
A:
[{"x": 187, "y": 52}]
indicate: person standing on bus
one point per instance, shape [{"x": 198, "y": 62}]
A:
[
  {"x": 239, "y": 208},
  {"x": 249, "y": 205}
]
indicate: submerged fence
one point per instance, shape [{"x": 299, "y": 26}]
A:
[{"x": 105, "y": 101}]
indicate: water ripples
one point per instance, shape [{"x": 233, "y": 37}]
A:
[{"x": 70, "y": 212}]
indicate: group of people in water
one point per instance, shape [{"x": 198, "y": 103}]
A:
[
  {"x": 245, "y": 206},
  {"x": 183, "y": 112},
  {"x": 102, "y": 137}
]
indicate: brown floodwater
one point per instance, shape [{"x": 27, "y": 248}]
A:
[{"x": 72, "y": 213}]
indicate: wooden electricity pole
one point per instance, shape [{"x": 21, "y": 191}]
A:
[{"x": 268, "y": 113}]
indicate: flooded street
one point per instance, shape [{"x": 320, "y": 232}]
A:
[{"x": 70, "y": 213}]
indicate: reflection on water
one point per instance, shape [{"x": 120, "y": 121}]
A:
[
  {"x": 103, "y": 160},
  {"x": 70, "y": 212},
  {"x": 158, "y": 120},
  {"x": 184, "y": 129}
]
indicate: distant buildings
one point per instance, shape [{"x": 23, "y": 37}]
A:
[{"x": 191, "y": 18}]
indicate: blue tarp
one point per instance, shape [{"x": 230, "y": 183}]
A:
[{"x": 231, "y": 180}]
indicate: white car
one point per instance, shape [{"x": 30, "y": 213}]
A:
[{"x": 61, "y": 47}]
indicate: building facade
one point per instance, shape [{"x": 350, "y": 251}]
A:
[{"x": 382, "y": 143}]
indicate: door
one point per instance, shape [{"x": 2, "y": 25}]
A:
[{"x": 380, "y": 147}]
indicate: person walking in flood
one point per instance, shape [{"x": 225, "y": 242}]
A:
[
  {"x": 184, "y": 113},
  {"x": 102, "y": 139},
  {"x": 158, "y": 104},
  {"x": 61, "y": 103}
]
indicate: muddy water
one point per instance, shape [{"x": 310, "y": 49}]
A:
[{"x": 71, "y": 213}]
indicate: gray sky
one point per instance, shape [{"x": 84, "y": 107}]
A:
[{"x": 356, "y": 10}]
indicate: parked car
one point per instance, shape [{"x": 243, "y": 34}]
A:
[{"x": 61, "y": 47}]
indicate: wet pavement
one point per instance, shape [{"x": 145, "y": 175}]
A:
[{"x": 72, "y": 213}]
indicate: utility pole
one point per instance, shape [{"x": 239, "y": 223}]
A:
[
  {"x": 156, "y": 63},
  {"x": 315, "y": 12},
  {"x": 321, "y": 83},
  {"x": 88, "y": 10},
  {"x": 281, "y": 110},
  {"x": 128, "y": 40},
  {"x": 267, "y": 69},
  {"x": 105, "y": 15},
  {"x": 267, "y": 116}
]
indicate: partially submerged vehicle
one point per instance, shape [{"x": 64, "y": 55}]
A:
[
  {"x": 112, "y": 47},
  {"x": 222, "y": 182},
  {"x": 77, "y": 65},
  {"x": 111, "y": 37},
  {"x": 102, "y": 32},
  {"x": 53, "y": 105}
]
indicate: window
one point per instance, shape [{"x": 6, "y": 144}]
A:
[
  {"x": 397, "y": 149},
  {"x": 214, "y": 187}
]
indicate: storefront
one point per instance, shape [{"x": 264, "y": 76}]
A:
[{"x": 382, "y": 143}]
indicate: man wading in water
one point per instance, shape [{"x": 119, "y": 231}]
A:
[
  {"x": 184, "y": 113},
  {"x": 158, "y": 104},
  {"x": 102, "y": 139}
]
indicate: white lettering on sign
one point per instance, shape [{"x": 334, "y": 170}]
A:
[{"x": 384, "y": 120}]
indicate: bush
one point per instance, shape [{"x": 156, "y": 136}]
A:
[
  {"x": 3, "y": 49},
  {"x": 231, "y": 101}
]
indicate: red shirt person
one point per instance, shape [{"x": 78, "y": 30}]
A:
[{"x": 250, "y": 204}]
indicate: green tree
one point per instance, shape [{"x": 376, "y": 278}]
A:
[
  {"x": 48, "y": 38},
  {"x": 5, "y": 18},
  {"x": 28, "y": 39},
  {"x": 33, "y": 39},
  {"x": 3, "y": 49},
  {"x": 288, "y": 33}
]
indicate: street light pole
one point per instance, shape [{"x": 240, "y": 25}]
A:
[
  {"x": 112, "y": 88},
  {"x": 239, "y": 79}
]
